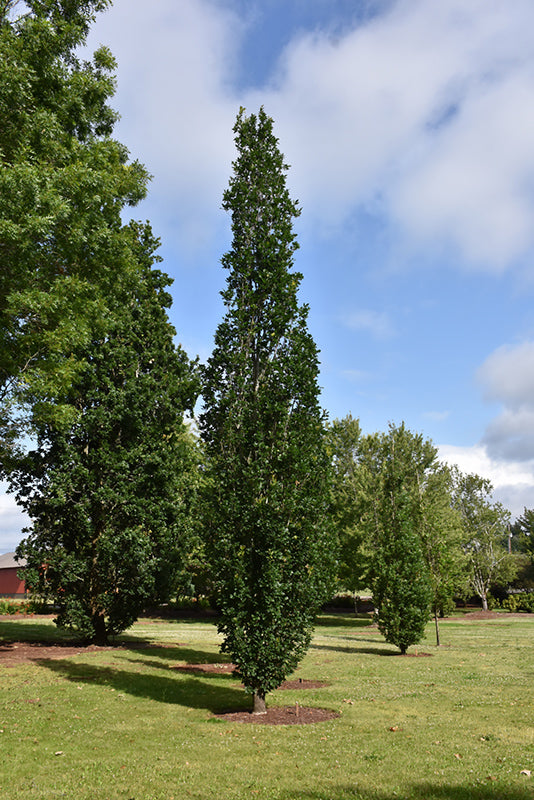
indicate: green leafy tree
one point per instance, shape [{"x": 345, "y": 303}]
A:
[
  {"x": 485, "y": 525},
  {"x": 64, "y": 184},
  {"x": 349, "y": 502},
  {"x": 524, "y": 530},
  {"x": 109, "y": 494},
  {"x": 442, "y": 538},
  {"x": 397, "y": 463},
  {"x": 263, "y": 428}
]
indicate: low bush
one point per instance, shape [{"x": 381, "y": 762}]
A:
[
  {"x": 522, "y": 601},
  {"x": 8, "y": 606}
]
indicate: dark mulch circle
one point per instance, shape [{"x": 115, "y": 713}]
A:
[
  {"x": 14, "y": 653},
  {"x": 281, "y": 715},
  {"x": 481, "y": 614}
]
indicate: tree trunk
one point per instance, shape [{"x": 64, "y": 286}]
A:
[
  {"x": 437, "y": 626},
  {"x": 99, "y": 625},
  {"x": 259, "y": 702},
  {"x": 484, "y": 601}
]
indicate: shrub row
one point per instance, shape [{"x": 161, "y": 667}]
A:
[
  {"x": 22, "y": 607},
  {"x": 522, "y": 601}
]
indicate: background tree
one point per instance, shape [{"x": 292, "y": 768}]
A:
[
  {"x": 524, "y": 529},
  {"x": 263, "y": 429},
  {"x": 64, "y": 183},
  {"x": 109, "y": 493},
  {"x": 485, "y": 526},
  {"x": 349, "y": 502},
  {"x": 442, "y": 538},
  {"x": 396, "y": 464}
]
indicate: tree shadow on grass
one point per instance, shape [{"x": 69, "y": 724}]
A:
[
  {"x": 175, "y": 652},
  {"x": 36, "y": 633},
  {"x": 179, "y": 689},
  {"x": 342, "y": 621},
  {"x": 419, "y": 791},
  {"x": 374, "y": 651}
]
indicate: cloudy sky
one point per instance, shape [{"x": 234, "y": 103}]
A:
[{"x": 409, "y": 128}]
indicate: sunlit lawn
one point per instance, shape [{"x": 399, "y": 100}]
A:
[{"x": 450, "y": 723}]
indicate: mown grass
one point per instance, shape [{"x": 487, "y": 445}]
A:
[{"x": 457, "y": 724}]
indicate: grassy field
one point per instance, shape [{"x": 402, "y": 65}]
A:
[{"x": 444, "y": 724}]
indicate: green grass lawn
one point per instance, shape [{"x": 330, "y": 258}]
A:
[{"x": 455, "y": 724}]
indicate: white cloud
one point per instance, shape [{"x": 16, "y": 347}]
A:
[
  {"x": 505, "y": 454},
  {"x": 513, "y": 482},
  {"x": 423, "y": 114},
  {"x": 418, "y": 111},
  {"x": 176, "y": 63},
  {"x": 12, "y": 520},
  {"x": 377, "y": 323},
  {"x": 437, "y": 416},
  {"x": 507, "y": 376},
  {"x": 511, "y": 435},
  {"x": 358, "y": 376}
]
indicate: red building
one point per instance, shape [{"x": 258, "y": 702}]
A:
[{"x": 10, "y": 583}]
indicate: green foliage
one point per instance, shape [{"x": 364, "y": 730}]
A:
[
  {"x": 349, "y": 502},
  {"x": 25, "y": 607},
  {"x": 110, "y": 493},
  {"x": 485, "y": 529},
  {"x": 519, "y": 601},
  {"x": 525, "y": 529},
  {"x": 396, "y": 464},
  {"x": 442, "y": 539},
  {"x": 64, "y": 183},
  {"x": 353, "y": 498},
  {"x": 263, "y": 428}
]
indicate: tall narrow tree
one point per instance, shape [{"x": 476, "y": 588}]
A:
[
  {"x": 263, "y": 428},
  {"x": 397, "y": 463}
]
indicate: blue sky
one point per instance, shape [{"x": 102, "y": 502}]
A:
[{"x": 408, "y": 127}]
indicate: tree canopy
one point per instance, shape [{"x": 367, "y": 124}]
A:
[
  {"x": 396, "y": 465},
  {"x": 485, "y": 526},
  {"x": 64, "y": 182},
  {"x": 263, "y": 428},
  {"x": 109, "y": 494}
]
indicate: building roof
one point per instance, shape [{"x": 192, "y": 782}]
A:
[{"x": 7, "y": 561}]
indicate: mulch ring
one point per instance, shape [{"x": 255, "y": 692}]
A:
[
  {"x": 276, "y": 715},
  {"x": 14, "y": 653},
  {"x": 281, "y": 715}
]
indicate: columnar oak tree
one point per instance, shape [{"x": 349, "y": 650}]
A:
[
  {"x": 397, "y": 463},
  {"x": 263, "y": 429}
]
